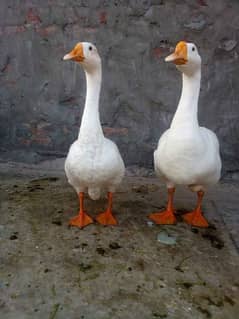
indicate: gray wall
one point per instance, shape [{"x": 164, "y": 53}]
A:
[{"x": 42, "y": 98}]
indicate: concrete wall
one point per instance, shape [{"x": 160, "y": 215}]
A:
[{"x": 42, "y": 98}]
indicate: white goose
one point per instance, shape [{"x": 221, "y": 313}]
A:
[
  {"x": 187, "y": 153},
  {"x": 93, "y": 162}
]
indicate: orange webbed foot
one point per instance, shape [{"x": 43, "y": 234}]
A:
[
  {"x": 195, "y": 218},
  {"x": 81, "y": 221},
  {"x": 166, "y": 217},
  {"x": 106, "y": 218}
]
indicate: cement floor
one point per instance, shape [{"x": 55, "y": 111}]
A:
[{"x": 51, "y": 271}]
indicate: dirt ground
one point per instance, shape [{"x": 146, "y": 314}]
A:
[{"x": 51, "y": 271}]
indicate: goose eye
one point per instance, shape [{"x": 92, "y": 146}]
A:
[
  {"x": 193, "y": 49},
  {"x": 90, "y": 48}
]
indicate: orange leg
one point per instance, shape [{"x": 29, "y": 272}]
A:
[
  {"x": 195, "y": 218},
  {"x": 82, "y": 219},
  {"x": 107, "y": 217},
  {"x": 167, "y": 216}
]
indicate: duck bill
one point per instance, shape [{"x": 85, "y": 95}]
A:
[
  {"x": 176, "y": 58},
  {"x": 76, "y": 54},
  {"x": 180, "y": 54}
]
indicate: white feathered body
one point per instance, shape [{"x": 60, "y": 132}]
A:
[
  {"x": 94, "y": 166},
  {"x": 188, "y": 156}
]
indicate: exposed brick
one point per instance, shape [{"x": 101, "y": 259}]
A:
[
  {"x": 33, "y": 16},
  {"x": 159, "y": 52},
  {"x": 115, "y": 130},
  {"x": 38, "y": 134},
  {"x": 202, "y": 3},
  {"x": 11, "y": 30},
  {"x": 103, "y": 17},
  {"x": 47, "y": 31},
  {"x": 24, "y": 141}
]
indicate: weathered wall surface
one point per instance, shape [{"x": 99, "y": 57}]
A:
[{"x": 42, "y": 98}]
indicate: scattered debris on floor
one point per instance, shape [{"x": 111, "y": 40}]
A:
[{"x": 135, "y": 270}]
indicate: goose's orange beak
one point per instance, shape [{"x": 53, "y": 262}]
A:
[
  {"x": 179, "y": 56},
  {"x": 77, "y": 54}
]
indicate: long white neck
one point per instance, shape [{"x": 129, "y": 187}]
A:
[
  {"x": 187, "y": 110},
  {"x": 90, "y": 125}
]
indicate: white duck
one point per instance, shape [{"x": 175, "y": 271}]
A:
[
  {"x": 93, "y": 162},
  {"x": 187, "y": 153}
]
